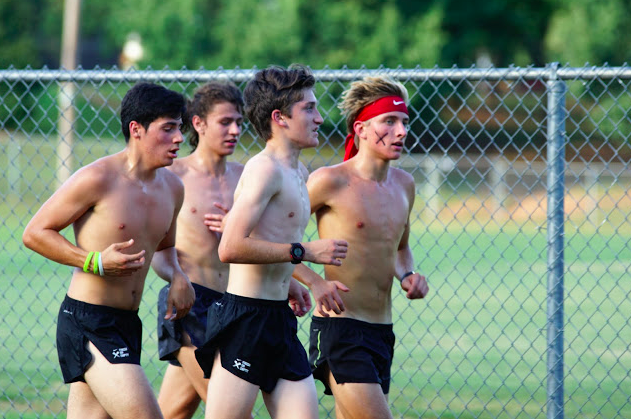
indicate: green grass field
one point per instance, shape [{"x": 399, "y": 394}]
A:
[{"x": 475, "y": 348}]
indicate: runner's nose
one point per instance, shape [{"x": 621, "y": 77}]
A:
[{"x": 318, "y": 120}]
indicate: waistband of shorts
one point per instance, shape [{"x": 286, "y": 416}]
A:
[
  {"x": 96, "y": 308},
  {"x": 206, "y": 291},
  {"x": 352, "y": 322},
  {"x": 259, "y": 302}
]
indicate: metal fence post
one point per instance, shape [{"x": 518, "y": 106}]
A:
[{"x": 555, "y": 218}]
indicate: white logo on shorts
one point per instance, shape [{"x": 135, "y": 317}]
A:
[
  {"x": 219, "y": 303},
  {"x": 241, "y": 365},
  {"x": 67, "y": 312},
  {"x": 120, "y": 353}
]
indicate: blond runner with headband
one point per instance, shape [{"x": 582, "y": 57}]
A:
[{"x": 378, "y": 107}]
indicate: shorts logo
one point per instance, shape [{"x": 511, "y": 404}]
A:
[
  {"x": 120, "y": 353},
  {"x": 241, "y": 365},
  {"x": 67, "y": 312},
  {"x": 219, "y": 303}
]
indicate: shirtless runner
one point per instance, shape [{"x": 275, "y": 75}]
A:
[
  {"x": 252, "y": 341},
  {"x": 214, "y": 118},
  {"x": 123, "y": 208},
  {"x": 368, "y": 203}
]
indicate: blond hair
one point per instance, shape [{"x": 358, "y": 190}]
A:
[{"x": 364, "y": 92}]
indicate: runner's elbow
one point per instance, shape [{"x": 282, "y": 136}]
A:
[
  {"x": 28, "y": 238},
  {"x": 226, "y": 253}
]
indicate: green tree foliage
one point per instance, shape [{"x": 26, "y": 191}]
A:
[
  {"x": 424, "y": 38},
  {"x": 256, "y": 33},
  {"x": 364, "y": 33},
  {"x": 26, "y": 32},
  {"x": 248, "y": 33},
  {"x": 372, "y": 33},
  {"x": 174, "y": 34},
  {"x": 585, "y": 31},
  {"x": 509, "y": 31}
]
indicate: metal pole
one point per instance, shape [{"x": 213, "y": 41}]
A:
[
  {"x": 556, "y": 192},
  {"x": 65, "y": 124},
  {"x": 239, "y": 76}
]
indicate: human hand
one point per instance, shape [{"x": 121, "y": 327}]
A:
[
  {"x": 299, "y": 298},
  {"x": 214, "y": 222},
  {"x": 327, "y": 296},
  {"x": 415, "y": 285},
  {"x": 117, "y": 263},
  {"x": 326, "y": 251},
  {"x": 181, "y": 298}
]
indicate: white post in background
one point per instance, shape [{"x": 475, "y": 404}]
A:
[
  {"x": 431, "y": 186},
  {"x": 14, "y": 168},
  {"x": 594, "y": 193},
  {"x": 435, "y": 167},
  {"x": 497, "y": 182},
  {"x": 12, "y": 146},
  {"x": 70, "y": 36}
]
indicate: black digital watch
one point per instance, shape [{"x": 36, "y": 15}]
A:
[{"x": 297, "y": 252}]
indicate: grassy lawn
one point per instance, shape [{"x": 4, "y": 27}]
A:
[{"x": 475, "y": 348}]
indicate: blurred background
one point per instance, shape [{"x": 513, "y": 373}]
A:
[
  {"x": 483, "y": 93},
  {"x": 334, "y": 33}
]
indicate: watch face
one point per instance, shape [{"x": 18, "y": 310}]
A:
[{"x": 298, "y": 252}]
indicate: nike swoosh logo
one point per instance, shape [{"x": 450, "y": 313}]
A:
[{"x": 398, "y": 103}]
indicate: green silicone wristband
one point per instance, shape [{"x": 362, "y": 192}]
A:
[
  {"x": 86, "y": 265},
  {"x": 95, "y": 265}
]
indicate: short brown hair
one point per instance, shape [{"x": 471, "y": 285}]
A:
[
  {"x": 203, "y": 101},
  {"x": 275, "y": 88}
]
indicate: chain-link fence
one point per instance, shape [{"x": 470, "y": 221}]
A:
[{"x": 520, "y": 224}]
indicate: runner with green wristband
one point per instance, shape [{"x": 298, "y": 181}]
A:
[{"x": 125, "y": 204}]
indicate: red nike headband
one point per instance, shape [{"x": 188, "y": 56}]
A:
[{"x": 378, "y": 107}]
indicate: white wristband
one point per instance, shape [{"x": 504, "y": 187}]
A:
[{"x": 100, "y": 262}]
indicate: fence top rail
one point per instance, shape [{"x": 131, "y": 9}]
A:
[{"x": 550, "y": 72}]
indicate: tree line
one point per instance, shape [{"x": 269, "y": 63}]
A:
[{"x": 334, "y": 33}]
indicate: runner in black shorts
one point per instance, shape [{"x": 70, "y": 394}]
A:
[
  {"x": 122, "y": 208},
  {"x": 116, "y": 333},
  {"x": 257, "y": 340},
  {"x": 368, "y": 203},
  {"x": 194, "y": 323},
  {"x": 253, "y": 333},
  {"x": 213, "y": 121},
  {"x": 353, "y": 350}
]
